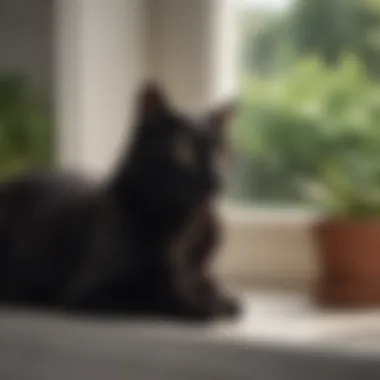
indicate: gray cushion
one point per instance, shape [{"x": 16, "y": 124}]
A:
[{"x": 37, "y": 347}]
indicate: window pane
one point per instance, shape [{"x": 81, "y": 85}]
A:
[{"x": 309, "y": 120}]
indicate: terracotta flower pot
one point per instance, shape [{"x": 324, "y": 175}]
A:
[{"x": 349, "y": 255}]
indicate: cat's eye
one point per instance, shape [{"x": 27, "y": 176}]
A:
[
  {"x": 183, "y": 152},
  {"x": 219, "y": 161}
]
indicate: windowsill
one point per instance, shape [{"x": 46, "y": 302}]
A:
[
  {"x": 273, "y": 216},
  {"x": 271, "y": 246}
]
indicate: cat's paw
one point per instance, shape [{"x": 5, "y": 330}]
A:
[
  {"x": 193, "y": 311},
  {"x": 219, "y": 306},
  {"x": 190, "y": 316},
  {"x": 199, "y": 312},
  {"x": 228, "y": 306},
  {"x": 198, "y": 317}
]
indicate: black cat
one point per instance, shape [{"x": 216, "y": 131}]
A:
[{"x": 139, "y": 242}]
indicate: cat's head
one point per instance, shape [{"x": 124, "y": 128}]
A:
[{"x": 177, "y": 159}]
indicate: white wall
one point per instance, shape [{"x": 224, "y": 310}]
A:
[
  {"x": 187, "y": 53},
  {"x": 105, "y": 48},
  {"x": 99, "y": 64}
]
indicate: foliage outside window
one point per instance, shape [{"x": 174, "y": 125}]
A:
[{"x": 310, "y": 96}]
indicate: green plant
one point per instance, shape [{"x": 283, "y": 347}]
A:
[
  {"x": 25, "y": 127},
  {"x": 294, "y": 127},
  {"x": 348, "y": 184}
]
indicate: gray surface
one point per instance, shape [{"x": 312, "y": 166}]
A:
[{"x": 53, "y": 348}]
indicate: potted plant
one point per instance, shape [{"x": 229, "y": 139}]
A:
[
  {"x": 348, "y": 234},
  {"x": 346, "y": 189},
  {"x": 321, "y": 123}
]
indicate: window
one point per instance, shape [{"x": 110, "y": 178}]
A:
[
  {"x": 26, "y": 86},
  {"x": 309, "y": 78}
]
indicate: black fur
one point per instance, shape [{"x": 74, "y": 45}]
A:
[{"x": 138, "y": 243}]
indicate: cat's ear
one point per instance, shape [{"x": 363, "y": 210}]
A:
[
  {"x": 220, "y": 119},
  {"x": 152, "y": 102}
]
